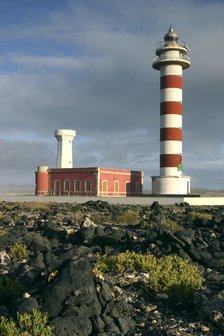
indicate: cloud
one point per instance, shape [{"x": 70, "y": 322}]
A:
[
  {"x": 19, "y": 160},
  {"x": 87, "y": 65},
  {"x": 48, "y": 62}
]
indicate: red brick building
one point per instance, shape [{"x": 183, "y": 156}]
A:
[{"x": 95, "y": 181}]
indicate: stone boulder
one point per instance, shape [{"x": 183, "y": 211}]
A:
[
  {"x": 37, "y": 242},
  {"x": 72, "y": 288},
  {"x": 71, "y": 326},
  {"x": 213, "y": 311}
]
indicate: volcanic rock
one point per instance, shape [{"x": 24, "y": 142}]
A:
[{"x": 59, "y": 274}]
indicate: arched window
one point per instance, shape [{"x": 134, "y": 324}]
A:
[
  {"x": 116, "y": 186},
  {"x": 105, "y": 186}
]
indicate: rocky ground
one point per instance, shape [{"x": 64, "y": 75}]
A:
[{"x": 63, "y": 241}]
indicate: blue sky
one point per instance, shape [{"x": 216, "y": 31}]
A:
[{"x": 86, "y": 65}]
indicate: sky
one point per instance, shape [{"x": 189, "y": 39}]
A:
[{"x": 87, "y": 65}]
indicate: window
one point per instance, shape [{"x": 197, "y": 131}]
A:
[
  {"x": 116, "y": 186},
  {"x": 56, "y": 188},
  {"x": 104, "y": 186},
  {"x": 66, "y": 185},
  {"x": 77, "y": 185},
  {"x": 137, "y": 187},
  {"x": 128, "y": 187},
  {"x": 88, "y": 186}
]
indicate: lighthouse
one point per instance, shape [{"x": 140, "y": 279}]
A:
[
  {"x": 64, "y": 151},
  {"x": 171, "y": 59}
]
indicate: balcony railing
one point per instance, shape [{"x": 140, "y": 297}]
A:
[
  {"x": 164, "y": 44},
  {"x": 161, "y": 58}
]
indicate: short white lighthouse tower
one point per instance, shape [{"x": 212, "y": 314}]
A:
[
  {"x": 64, "y": 152},
  {"x": 171, "y": 58}
]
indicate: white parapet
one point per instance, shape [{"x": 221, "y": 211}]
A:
[
  {"x": 42, "y": 169},
  {"x": 170, "y": 185},
  {"x": 64, "y": 152}
]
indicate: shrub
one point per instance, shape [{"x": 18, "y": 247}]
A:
[
  {"x": 175, "y": 276},
  {"x": 19, "y": 251},
  {"x": 2, "y": 216},
  {"x": 8, "y": 327},
  {"x": 172, "y": 225},
  {"x": 101, "y": 218},
  {"x": 36, "y": 205},
  {"x": 8, "y": 206},
  {"x": 171, "y": 275},
  {"x": 10, "y": 285},
  {"x": 200, "y": 215},
  {"x": 34, "y": 324},
  {"x": 168, "y": 225},
  {"x": 3, "y": 233},
  {"x": 123, "y": 261},
  {"x": 77, "y": 216},
  {"x": 128, "y": 217}
]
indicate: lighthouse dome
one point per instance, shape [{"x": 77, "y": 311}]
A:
[{"x": 171, "y": 36}]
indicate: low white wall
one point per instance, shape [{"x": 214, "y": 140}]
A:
[
  {"x": 204, "y": 200},
  {"x": 83, "y": 199},
  {"x": 116, "y": 200}
]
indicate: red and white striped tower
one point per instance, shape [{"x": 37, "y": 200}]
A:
[{"x": 171, "y": 57}]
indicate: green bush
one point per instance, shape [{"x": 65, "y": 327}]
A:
[
  {"x": 128, "y": 217},
  {"x": 200, "y": 215},
  {"x": 175, "y": 276},
  {"x": 19, "y": 251},
  {"x": 168, "y": 225},
  {"x": 77, "y": 216},
  {"x": 36, "y": 206},
  {"x": 100, "y": 217},
  {"x": 8, "y": 206},
  {"x": 171, "y": 275},
  {"x": 3, "y": 233},
  {"x": 34, "y": 324},
  {"x": 10, "y": 285},
  {"x": 124, "y": 261},
  {"x": 2, "y": 216}
]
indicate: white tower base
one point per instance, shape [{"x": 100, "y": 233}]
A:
[{"x": 170, "y": 185}]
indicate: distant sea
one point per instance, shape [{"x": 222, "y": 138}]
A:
[
  {"x": 17, "y": 190},
  {"x": 30, "y": 190}
]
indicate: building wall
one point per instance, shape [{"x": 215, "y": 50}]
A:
[
  {"x": 86, "y": 177},
  {"x": 120, "y": 182},
  {"x": 93, "y": 182}
]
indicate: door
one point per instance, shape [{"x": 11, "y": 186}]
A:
[{"x": 56, "y": 188}]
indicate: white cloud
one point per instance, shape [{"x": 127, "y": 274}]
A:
[
  {"x": 43, "y": 62},
  {"x": 87, "y": 65}
]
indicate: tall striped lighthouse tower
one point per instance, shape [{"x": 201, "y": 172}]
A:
[{"x": 171, "y": 58}]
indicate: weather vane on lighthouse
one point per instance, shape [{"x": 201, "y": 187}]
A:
[{"x": 171, "y": 58}]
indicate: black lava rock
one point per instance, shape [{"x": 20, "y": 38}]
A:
[{"x": 58, "y": 277}]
